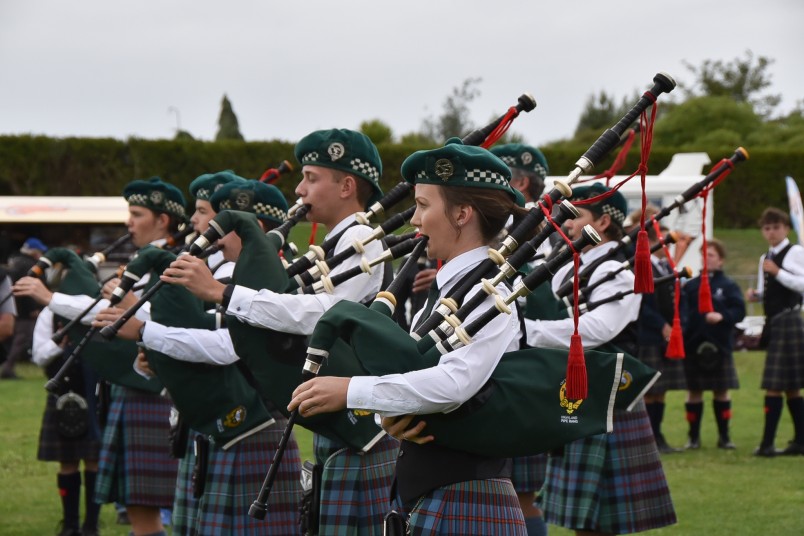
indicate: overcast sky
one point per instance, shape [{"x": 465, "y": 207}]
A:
[{"x": 113, "y": 68}]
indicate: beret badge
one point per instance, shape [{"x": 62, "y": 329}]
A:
[
  {"x": 527, "y": 158},
  {"x": 243, "y": 200},
  {"x": 335, "y": 151},
  {"x": 157, "y": 197},
  {"x": 444, "y": 169}
]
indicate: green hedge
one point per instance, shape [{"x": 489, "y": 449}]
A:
[{"x": 36, "y": 165}]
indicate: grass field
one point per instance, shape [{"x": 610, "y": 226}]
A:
[{"x": 715, "y": 492}]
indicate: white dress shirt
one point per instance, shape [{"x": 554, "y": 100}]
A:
[
  {"x": 213, "y": 347},
  {"x": 43, "y": 349},
  {"x": 602, "y": 323},
  {"x": 459, "y": 374},
  {"x": 791, "y": 274},
  {"x": 298, "y": 313}
]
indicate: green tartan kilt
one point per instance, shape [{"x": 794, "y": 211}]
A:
[
  {"x": 611, "y": 483},
  {"x": 356, "y": 487},
  {"x": 135, "y": 466}
]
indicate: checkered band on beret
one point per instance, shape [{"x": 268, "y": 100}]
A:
[
  {"x": 169, "y": 206},
  {"x": 309, "y": 157},
  {"x": 615, "y": 213},
  {"x": 264, "y": 200},
  {"x": 203, "y": 193},
  {"x": 510, "y": 161},
  {"x": 271, "y": 211},
  {"x": 524, "y": 157},
  {"x": 482, "y": 175},
  {"x": 366, "y": 169},
  {"x": 615, "y": 205},
  {"x": 137, "y": 199},
  {"x": 157, "y": 195}
]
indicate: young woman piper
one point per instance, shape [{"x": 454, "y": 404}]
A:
[{"x": 463, "y": 200}]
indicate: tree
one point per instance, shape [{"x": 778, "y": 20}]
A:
[
  {"x": 707, "y": 122},
  {"x": 378, "y": 131},
  {"x": 228, "y": 128},
  {"x": 742, "y": 79},
  {"x": 183, "y": 135},
  {"x": 454, "y": 120},
  {"x": 600, "y": 113}
]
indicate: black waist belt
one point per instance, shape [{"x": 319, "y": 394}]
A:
[{"x": 422, "y": 468}]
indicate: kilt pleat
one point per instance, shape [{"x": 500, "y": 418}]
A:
[
  {"x": 612, "y": 483},
  {"x": 185, "y": 506},
  {"x": 356, "y": 488},
  {"x": 135, "y": 466},
  {"x": 474, "y": 507},
  {"x": 55, "y": 448},
  {"x": 784, "y": 362},
  {"x": 672, "y": 378},
  {"x": 527, "y": 473},
  {"x": 234, "y": 478},
  {"x": 718, "y": 379}
]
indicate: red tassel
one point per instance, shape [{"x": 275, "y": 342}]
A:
[
  {"x": 643, "y": 269},
  {"x": 705, "y": 295},
  {"x": 675, "y": 347},
  {"x": 577, "y": 386}
]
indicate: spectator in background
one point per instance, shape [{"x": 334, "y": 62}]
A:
[
  {"x": 653, "y": 331},
  {"x": 27, "y": 308},
  {"x": 779, "y": 287},
  {"x": 708, "y": 341},
  {"x": 8, "y": 311}
]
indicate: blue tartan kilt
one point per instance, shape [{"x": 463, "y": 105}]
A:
[
  {"x": 234, "y": 479},
  {"x": 527, "y": 473},
  {"x": 474, "y": 507},
  {"x": 185, "y": 506},
  {"x": 672, "y": 378},
  {"x": 784, "y": 363},
  {"x": 135, "y": 466},
  {"x": 355, "y": 487},
  {"x": 611, "y": 483},
  {"x": 55, "y": 448}
]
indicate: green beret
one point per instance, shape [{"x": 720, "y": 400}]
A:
[
  {"x": 346, "y": 150},
  {"x": 517, "y": 155},
  {"x": 156, "y": 195},
  {"x": 264, "y": 200},
  {"x": 615, "y": 205},
  {"x": 205, "y": 185},
  {"x": 456, "y": 164}
]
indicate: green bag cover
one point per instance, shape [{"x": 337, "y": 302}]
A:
[
  {"x": 524, "y": 391},
  {"x": 112, "y": 360},
  {"x": 214, "y": 399},
  {"x": 276, "y": 359},
  {"x": 636, "y": 379}
]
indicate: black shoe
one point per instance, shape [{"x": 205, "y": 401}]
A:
[
  {"x": 66, "y": 531},
  {"x": 9, "y": 375},
  {"x": 792, "y": 449},
  {"x": 122, "y": 518},
  {"x": 766, "y": 451},
  {"x": 89, "y": 532},
  {"x": 693, "y": 444},
  {"x": 664, "y": 448},
  {"x": 725, "y": 443}
]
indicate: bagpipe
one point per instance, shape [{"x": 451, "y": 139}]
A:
[
  {"x": 112, "y": 361},
  {"x": 364, "y": 330},
  {"x": 719, "y": 171},
  {"x": 504, "y": 408},
  {"x": 217, "y": 400}
]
